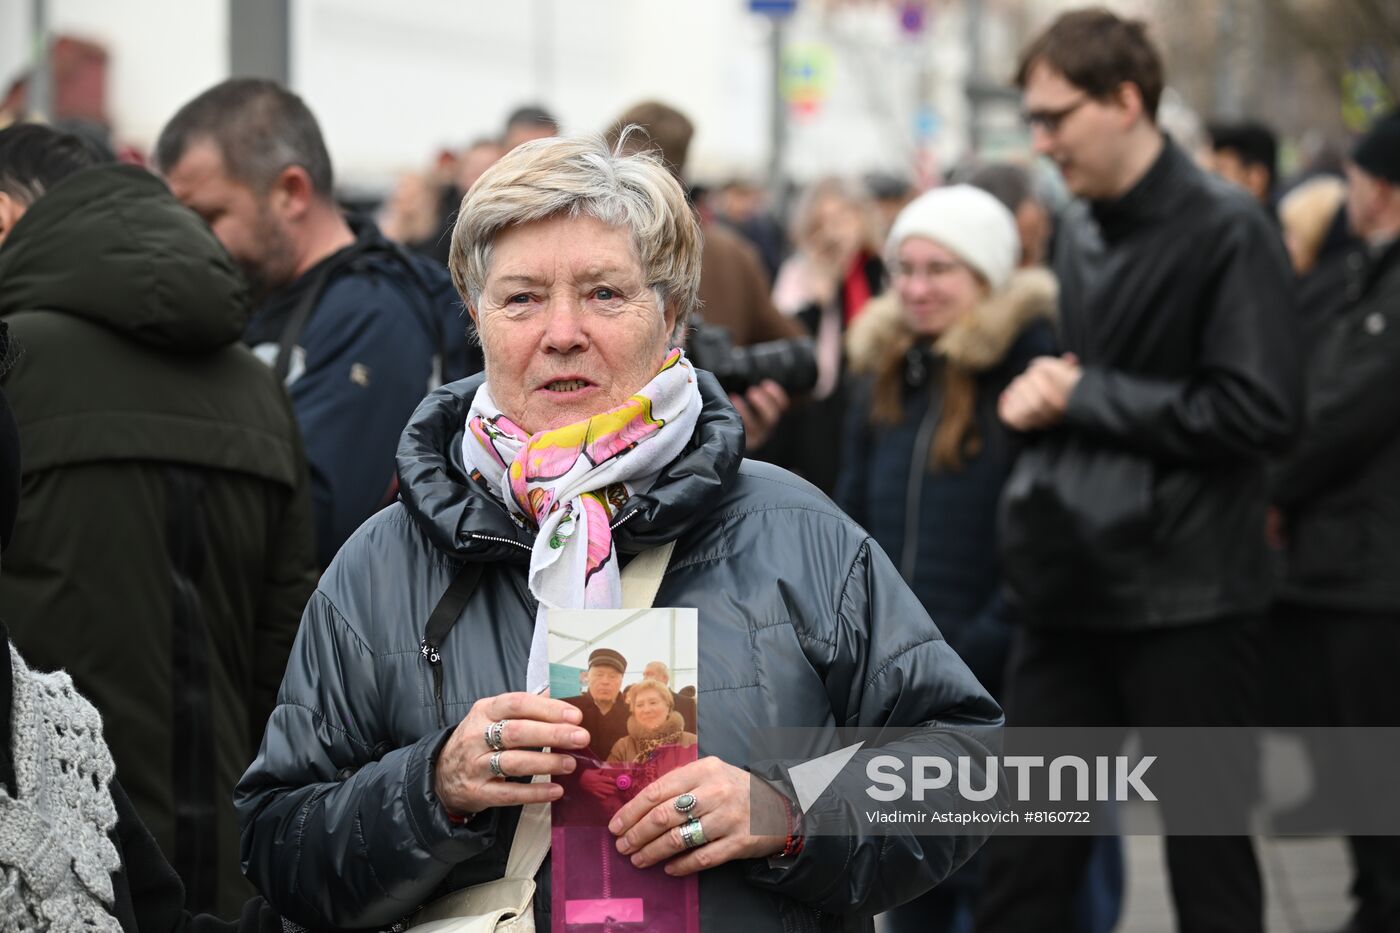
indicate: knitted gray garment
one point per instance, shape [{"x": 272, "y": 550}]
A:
[{"x": 56, "y": 859}]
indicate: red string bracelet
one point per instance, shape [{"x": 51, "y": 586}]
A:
[{"x": 793, "y": 843}]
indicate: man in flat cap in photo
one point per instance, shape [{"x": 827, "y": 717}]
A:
[
  {"x": 604, "y": 713},
  {"x": 1339, "y": 507}
]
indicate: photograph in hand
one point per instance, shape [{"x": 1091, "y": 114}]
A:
[{"x": 632, "y": 673}]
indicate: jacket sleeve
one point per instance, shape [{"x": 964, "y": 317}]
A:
[
  {"x": 334, "y": 833},
  {"x": 289, "y": 579},
  {"x": 891, "y": 668},
  {"x": 369, "y": 361},
  {"x": 1352, "y": 406},
  {"x": 1243, "y": 397},
  {"x": 152, "y": 892}
]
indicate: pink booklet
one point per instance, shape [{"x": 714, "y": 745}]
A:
[{"x": 627, "y": 671}]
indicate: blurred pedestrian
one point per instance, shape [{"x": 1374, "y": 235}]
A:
[
  {"x": 526, "y": 123},
  {"x": 1340, "y": 509},
  {"x": 1320, "y": 246},
  {"x": 1014, "y": 187},
  {"x": 734, "y": 290},
  {"x": 358, "y": 328},
  {"x": 74, "y": 854},
  {"x": 1246, "y": 154},
  {"x": 163, "y": 550},
  {"x": 742, "y": 204},
  {"x": 423, "y": 208},
  {"x": 1131, "y": 525},
  {"x": 826, "y": 284},
  {"x": 890, "y": 193},
  {"x": 925, "y": 456}
]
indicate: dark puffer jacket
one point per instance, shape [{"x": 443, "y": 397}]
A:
[
  {"x": 803, "y": 623},
  {"x": 163, "y": 550}
]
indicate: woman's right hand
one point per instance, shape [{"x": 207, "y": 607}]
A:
[{"x": 462, "y": 777}]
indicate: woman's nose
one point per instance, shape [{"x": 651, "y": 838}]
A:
[{"x": 564, "y": 330}]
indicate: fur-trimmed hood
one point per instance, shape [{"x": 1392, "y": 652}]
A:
[{"x": 978, "y": 342}]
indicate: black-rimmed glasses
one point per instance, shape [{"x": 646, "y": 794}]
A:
[{"x": 1050, "y": 120}]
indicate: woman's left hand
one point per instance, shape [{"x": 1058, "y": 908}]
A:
[{"x": 649, "y": 825}]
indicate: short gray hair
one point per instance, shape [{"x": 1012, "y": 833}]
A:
[{"x": 577, "y": 176}]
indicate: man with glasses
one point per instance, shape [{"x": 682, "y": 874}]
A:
[{"x": 1132, "y": 525}]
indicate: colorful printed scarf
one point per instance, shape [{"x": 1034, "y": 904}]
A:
[{"x": 569, "y": 483}]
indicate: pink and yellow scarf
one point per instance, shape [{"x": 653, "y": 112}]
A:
[{"x": 569, "y": 483}]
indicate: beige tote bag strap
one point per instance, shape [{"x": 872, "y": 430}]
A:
[
  {"x": 531, "y": 842},
  {"x": 642, "y": 577},
  {"x": 640, "y": 581}
]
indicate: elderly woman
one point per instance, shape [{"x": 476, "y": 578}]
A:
[
  {"x": 590, "y": 440},
  {"x": 654, "y": 724}
]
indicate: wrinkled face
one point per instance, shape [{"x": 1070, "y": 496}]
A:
[
  {"x": 244, "y": 222},
  {"x": 935, "y": 288},
  {"x": 604, "y": 682},
  {"x": 655, "y": 672},
  {"x": 568, "y": 323},
  {"x": 1081, "y": 135},
  {"x": 651, "y": 711}
]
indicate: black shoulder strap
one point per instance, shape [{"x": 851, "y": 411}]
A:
[
  {"x": 444, "y": 616},
  {"x": 453, "y": 601},
  {"x": 296, "y": 322}
]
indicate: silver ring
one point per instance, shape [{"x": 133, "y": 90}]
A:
[
  {"x": 495, "y": 736},
  {"x": 496, "y": 764},
  {"x": 685, "y": 803},
  {"x": 692, "y": 834}
]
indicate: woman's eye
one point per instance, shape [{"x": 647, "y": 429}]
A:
[
  {"x": 518, "y": 300},
  {"x": 605, "y": 294}
]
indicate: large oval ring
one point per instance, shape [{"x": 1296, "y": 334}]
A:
[
  {"x": 685, "y": 803},
  {"x": 495, "y": 739},
  {"x": 692, "y": 834},
  {"x": 495, "y": 764}
]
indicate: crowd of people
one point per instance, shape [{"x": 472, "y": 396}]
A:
[{"x": 1114, "y": 451}]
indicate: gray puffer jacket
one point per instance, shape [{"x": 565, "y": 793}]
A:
[{"x": 803, "y": 623}]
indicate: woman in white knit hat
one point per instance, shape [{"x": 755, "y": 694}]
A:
[{"x": 925, "y": 456}]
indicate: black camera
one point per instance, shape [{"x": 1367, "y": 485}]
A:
[{"x": 791, "y": 363}]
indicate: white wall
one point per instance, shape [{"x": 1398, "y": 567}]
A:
[
  {"x": 161, "y": 52},
  {"x": 390, "y": 82}
]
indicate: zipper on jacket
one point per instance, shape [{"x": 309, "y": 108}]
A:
[
  {"x": 913, "y": 491},
  {"x": 433, "y": 655},
  {"x": 473, "y": 534},
  {"x": 613, "y": 526}
]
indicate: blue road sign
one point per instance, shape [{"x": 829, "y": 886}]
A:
[{"x": 774, "y": 8}]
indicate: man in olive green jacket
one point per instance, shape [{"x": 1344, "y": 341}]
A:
[{"x": 163, "y": 550}]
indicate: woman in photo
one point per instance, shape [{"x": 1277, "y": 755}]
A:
[{"x": 654, "y": 725}]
